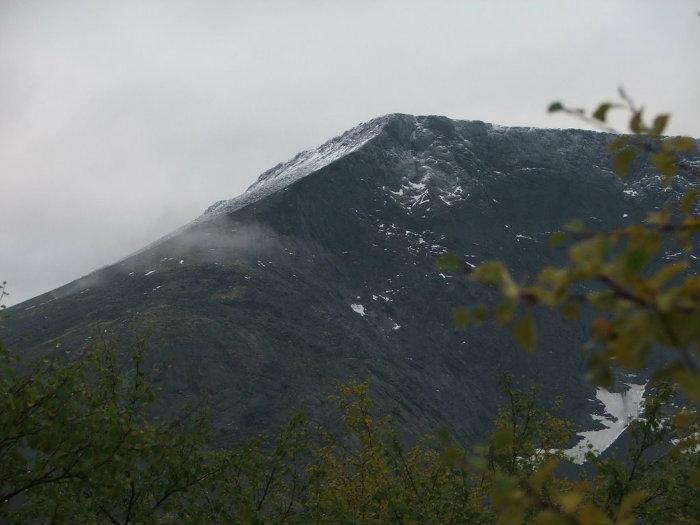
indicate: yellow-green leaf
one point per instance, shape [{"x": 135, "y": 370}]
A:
[
  {"x": 555, "y": 106},
  {"x": 449, "y": 262},
  {"x": 617, "y": 144},
  {"x": 557, "y": 238},
  {"x": 461, "y": 318},
  {"x": 525, "y": 332},
  {"x": 688, "y": 200},
  {"x": 569, "y": 501},
  {"x": 623, "y": 161},
  {"x": 602, "y": 111},
  {"x": 549, "y": 517},
  {"x": 660, "y": 123},
  {"x": 665, "y": 163},
  {"x": 680, "y": 144},
  {"x": 625, "y": 514},
  {"x": 575, "y": 226},
  {"x": 544, "y": 474},
  {"x": 489, "y": 272},
  {"x": 591, "y": 515},
  {"x": 684, "y": 419},
  {"x": 636, "y": 125}
]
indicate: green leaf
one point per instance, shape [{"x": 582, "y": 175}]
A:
[
  {"x": 489, "y": 272},
  {"x": 684, "y": 419},
  {"x": 461, "y": 318},
  {"x": 616, "y": 145},
  {"x": 502, "y": 439},
  {"x": 449, "y": 262},
  {"x": 557, "y": 238},
  {"x": 623, "y": 161},
  {"x": 575, "y": 226},
  {"x": 570, "y": 310},
  {"x": 660, "y": 123},
  {"x": 634, "y": 259},
  {"x": 665, "y": 163},
  {"x": 688, "y": 200},
  {"x": 599, "y": 373},
  {"x": 666, "y": 273},
  {"x": 479, "y": 314},
  {"x": 625, "y": 514},
  {"x": 602, "y": 111},
  {"x": 549, "y": 517},
  {"x": 636, "y": 124},
  {"x": 591, "y": 515},
  {"x": 544, "y": 474},
  {"x": 569, "y": 501},
  {"x": 680, "y": 144},
  {"x": 695, "y": 477},
  {"x": 690, "y": 382},
  {"x": 525, "y": 332},
  {"x": 628, "y": 351},
  {"x": 504, "y": 311}
]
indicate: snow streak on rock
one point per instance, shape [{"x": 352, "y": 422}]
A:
[
  {"x": 358, "y": 308},
  {"x": 305, "y": 163}
]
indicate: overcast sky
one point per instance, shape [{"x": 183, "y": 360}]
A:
[{"x": 120, "y": 121}]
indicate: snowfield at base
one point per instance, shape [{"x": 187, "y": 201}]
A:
[
  {"x": 358, "y": 308},
  {"x": 621, "y": 409}
]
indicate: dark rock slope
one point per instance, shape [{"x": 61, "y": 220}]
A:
[{"x": 325, "y": 270}]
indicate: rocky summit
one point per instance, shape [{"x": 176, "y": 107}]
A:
[{"x": 325, "y": 270}]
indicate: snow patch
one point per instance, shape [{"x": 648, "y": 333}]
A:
[
  {"x": 358, "y": 309},
  {"x": 621, "y": 409}
]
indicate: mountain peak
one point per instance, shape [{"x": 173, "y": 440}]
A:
[
  {"x": 303, "y": 164},
  {"x": 431, "y": 147},
  {"x": 312, "y": 160}
]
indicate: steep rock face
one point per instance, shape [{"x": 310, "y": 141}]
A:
[{"x": 325, "y": 270}]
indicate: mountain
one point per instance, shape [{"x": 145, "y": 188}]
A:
[{"x": 324, "y": 270}]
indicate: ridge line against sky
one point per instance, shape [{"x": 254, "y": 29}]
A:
[{"x": 120, "y": 122}]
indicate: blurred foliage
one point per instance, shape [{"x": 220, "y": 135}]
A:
[
  {"x": 77, "y": 445},
  {"x": 639, "y": 304}
]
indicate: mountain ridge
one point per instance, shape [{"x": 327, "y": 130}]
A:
[
  {"x": 259, "y": 307},
  {"x": 259, "y": 190},
  {"x": 372, "y": 128}
]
